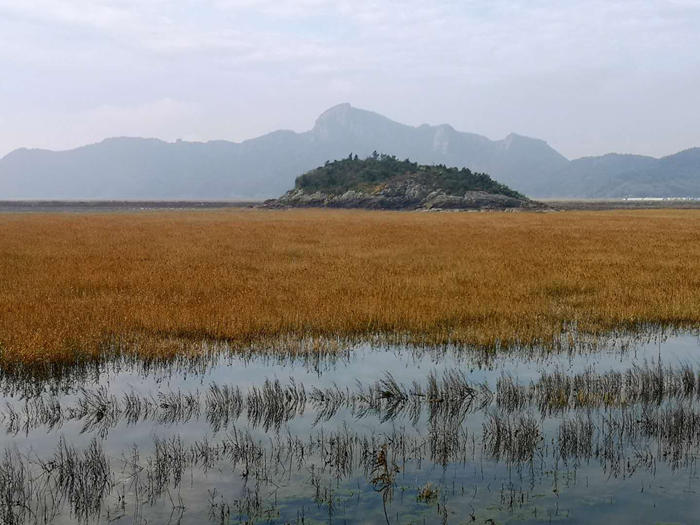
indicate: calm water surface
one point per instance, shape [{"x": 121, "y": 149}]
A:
[{"x": 326, "y": 442}]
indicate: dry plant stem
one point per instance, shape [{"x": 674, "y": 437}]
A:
[{"x": 79, "y": 285}]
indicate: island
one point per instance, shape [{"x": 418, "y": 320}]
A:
[{"x": 383, "y": 182}]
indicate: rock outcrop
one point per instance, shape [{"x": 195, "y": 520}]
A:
[{"x": 407, "y": 194}]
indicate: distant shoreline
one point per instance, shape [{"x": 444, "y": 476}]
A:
[
  {"x": 49, "y": 206},
  {"x": 619, "y": 204},
  {"x": 118, "y": 205}
]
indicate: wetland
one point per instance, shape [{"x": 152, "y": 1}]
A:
[{"x": 306, "y": 366}]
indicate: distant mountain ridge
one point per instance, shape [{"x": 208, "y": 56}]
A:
[{"x": 264, "y": 167}]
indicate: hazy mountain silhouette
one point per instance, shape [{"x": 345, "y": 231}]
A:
[
  {"x": 615, "y": 175},
  {"x": 134, "y": 168}
]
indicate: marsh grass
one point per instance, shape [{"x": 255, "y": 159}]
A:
[
  {"x": 75, "y": 287},
  {"x": 450, "y": 397},
  {"x": 36, "y": 490},
  {"x": 514, "y": 439},
  {"x": 446, "y": 398},
  {"x": 641, "y": 384},
  {"x": 622, "y": 442}
]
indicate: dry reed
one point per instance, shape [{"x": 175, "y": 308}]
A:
[{"x": 77, "y": 286}]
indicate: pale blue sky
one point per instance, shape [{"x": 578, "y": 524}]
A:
[{"x": 589, "y": 76}]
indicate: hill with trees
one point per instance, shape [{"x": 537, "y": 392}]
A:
[{"x": 384, "y": 182}]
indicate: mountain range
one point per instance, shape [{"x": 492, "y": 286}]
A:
[{"x": 136, "y": 168}]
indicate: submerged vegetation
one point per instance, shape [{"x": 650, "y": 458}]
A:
[
  {"x": 78, "y": 287},
  {"x": 442, "y": 398},
  {"x": 89, "y": 484},
  {"x": 450, "y": 397}
]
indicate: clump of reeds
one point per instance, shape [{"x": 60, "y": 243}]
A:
[
  {"x": 224, "y": 403},
  {"x": 84, "y": 478},
  {"x": 273, "y": 404},
  {"x": 513, "y": 438},
  {"x": 35, "y": 490},
  {"x": 558, "y": 390},
  {"x": 20, "y": 494},
  {"x": 575, "y": 439}
]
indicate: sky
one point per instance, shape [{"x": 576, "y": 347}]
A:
[{"x": 588, "y": 76}]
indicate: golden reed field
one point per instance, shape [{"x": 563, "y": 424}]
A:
[{"x": 73, "y": 284}]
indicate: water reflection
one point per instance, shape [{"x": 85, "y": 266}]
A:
[{"x": 373, "y": 435}]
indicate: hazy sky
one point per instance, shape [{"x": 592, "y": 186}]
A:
[{"x": 589, "y": 76}]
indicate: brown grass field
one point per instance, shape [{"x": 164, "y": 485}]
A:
[{"x": 71, "y": 283}]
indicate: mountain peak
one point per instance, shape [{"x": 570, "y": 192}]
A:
[
  {"x": 336, "y": 111},
  {"x": 344, "y": 120},
  {"x": 14, "y": 153},
  {"x": 517, "y": 136},
  {"x": 337, "y": 116}
]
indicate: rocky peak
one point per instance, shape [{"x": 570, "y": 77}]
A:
[
  {"x": 442, "y": 138},
  {"x": 343, "y": 121},
  {"x": 332, "y": 120}
]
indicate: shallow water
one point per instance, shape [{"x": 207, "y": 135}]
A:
[{"x": 168, "y": 448}]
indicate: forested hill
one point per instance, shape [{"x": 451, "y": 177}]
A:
[
  {"x": 383, "y": 182},
  {"x": 372, "y": 173}
]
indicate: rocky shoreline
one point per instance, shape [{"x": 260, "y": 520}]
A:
[{"x": 407, "y": 194}]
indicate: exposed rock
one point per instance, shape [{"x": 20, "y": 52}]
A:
[{"x": 407, "y": 194}]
